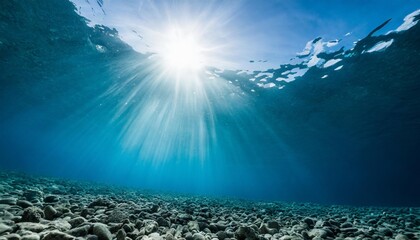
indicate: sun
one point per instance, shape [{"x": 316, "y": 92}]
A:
[{"x": 182, "y": 51}]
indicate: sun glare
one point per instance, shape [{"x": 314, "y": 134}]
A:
[{"x": 182, "y": 51}]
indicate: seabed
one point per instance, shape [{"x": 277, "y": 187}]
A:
[{"x": 33, "y": 208}]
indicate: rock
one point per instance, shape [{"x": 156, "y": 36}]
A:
[
  {"x": 193, "y": 226},
  {"x": 74, "y": 222},
  {"x": 32, "y": 194},
  {"x": 31, "y": 236},
  {"x": 13, "y": 236},
  {"x": 221, "y": 235},
  {"x": 121, "y": 234},
  {"x": 198, "y": 236},
  {"x": 150, "y": 226},
  {"x": 246, "y": 233},
  {"x": 169, "y": 236},
  {"x": 33, "y": 227},
  {"x": 102, "y": 231},
  {"x": 79, "y": 231},
  {"x": 311, "y": 222},
  {"x": 154, "y": 208},
  {"x": 184, "y": 216},
  {"x": 117, "y": 215},
  {"x": 263, "y": 229},
  {"x": 320, "y": 233},
  {"x": 4, "y": 228},
  {"x": 50, "y": 212},
  {"x": 273, "y": 224},
  {"x": 385, "y": 232},
  {"x": 51, "y": 199},
  {"x": 57, "y": 235},
  {"x": 347, "y": 230},
  {"x": 60, "y": 224},
  {"x": 155, "y": 236},
  {"x": 346, "y": 225},
  {"x": 101, "y": 202},
  {"x": 203, "y": 226},
  {"x": 401, "y": 237},
  {"x": 266, "y": 230},
  {"x": 91, "y": 237},
  {"x": 8, "y": 201},
  {"x": 128, "y": 228},
  {"x": 163, "y": 222},
  {"x": 32, "y": 214},
  {"x": 188, "y": 236},
  {"x": 286, "y": 237},
  {"x": 221, "y": 226},
  {"x": 213, "y": 228},
  {"x": 5, "y": 215},
  {"x": 24, "y": 203}
]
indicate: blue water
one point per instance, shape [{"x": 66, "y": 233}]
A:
[{"x": 77, "y": 102}]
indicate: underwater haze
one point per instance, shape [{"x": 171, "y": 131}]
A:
[{"x": 247, "y": 99}]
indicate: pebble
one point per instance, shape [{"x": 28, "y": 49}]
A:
[
  {"x": 163, "y": 222},
  {"x": 150, "y": 226},
  {"x": 51, "y": 199},
  {"x": 32, "y": 214},
  {"x": 32, "y": 236},
  {"x": 57, "y": 235},
  {"x": 74, "y": 222},
  {"x": 5, "y": 228},
  {"x": 102, "y": 231},
  {"x": 72, "y": 210},
  {"x": 321, "y": 233},
  {"x": 401, "y": 237},
  {"x": 155, "y": 236},
  {"x": 79, "y": 231},
  {"x": 24, "y": 203},
  {"x": 198, "y": 236},
  {"x": 33, "y": 227},
  {"x": 13, "y": 236},
  {"x": 50, "y": 212},
  {"x": 221, "y": 235},
  {"x": 246, "y": 232},
  {"x": 311, "y": 222},
  {"x": 8, "y": 201},
  {"x": 121, "y": 234}
]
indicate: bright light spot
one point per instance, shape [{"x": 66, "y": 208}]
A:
[{"x": 181, "y": 51}]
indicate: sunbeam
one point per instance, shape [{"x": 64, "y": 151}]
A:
[{"x": 181, "y": 51}]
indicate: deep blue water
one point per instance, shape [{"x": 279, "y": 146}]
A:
[{"x": 77, "y": 102}]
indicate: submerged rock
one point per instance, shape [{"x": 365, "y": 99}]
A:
[
  {"x": 150, "y": 226},
  {"x": 74, "y": 222},
  {"x": 32, "y": 214},
  {"x": 13, "y": 236},
  {"x": 31, "y": 236},
  {"x": 33, "y": 227},
  {"x": 163, "y": 222},
  {"x": 8, "y": 201},
  {"x": 50, "y": 212},
  {"x": 102, "y": 231},
  {"x": 121, "y": 234},
  {"x": 100, "y": 202},
  {"x": 57, "y": 235},
  {"x": 117, "y": 215},
  {"x": 246, "y": 233},
  {"x": 51, "y": 199},
  {"x": 198, "y": 236},
  {"x": 5, "y": 228},
  {"x": 79, "y": 231},
  {"x": 24, "y": 203}
]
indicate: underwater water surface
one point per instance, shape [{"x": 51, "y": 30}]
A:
[{"x": 337, "y": 124}]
